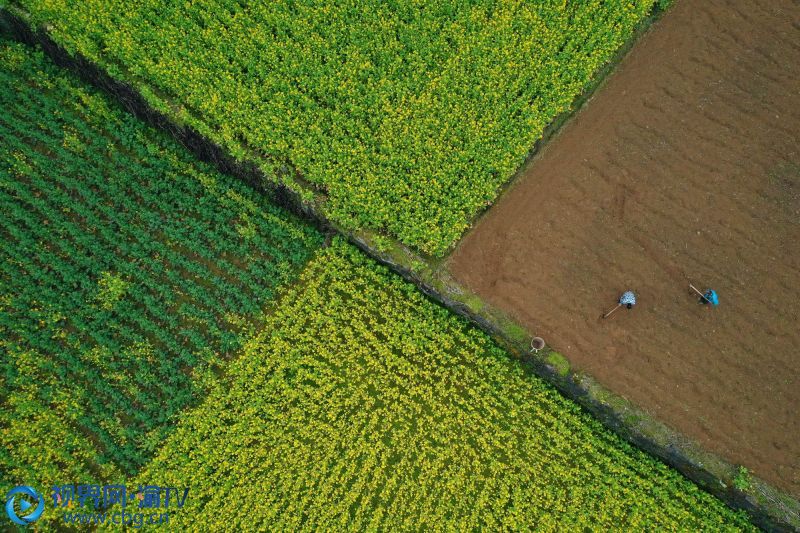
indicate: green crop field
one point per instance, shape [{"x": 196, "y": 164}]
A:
[
  {"x": 364, "y": 406},
  {"x": 128, "y": 272},
  {"x": 162, "y": 323},
  {"x": 408, "y": 115}
]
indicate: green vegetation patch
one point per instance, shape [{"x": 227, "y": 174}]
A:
[
  {"x": 363, "y": 405},
  {"x": 410, "y": 115},
  {"x": 125, "y": 276},
  {"x": 559, "y": 362}
]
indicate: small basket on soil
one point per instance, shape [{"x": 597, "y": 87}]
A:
[{"x": 537, "y": 343}]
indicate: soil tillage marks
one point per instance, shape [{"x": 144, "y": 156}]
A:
[{"x": 684, "y": 167}]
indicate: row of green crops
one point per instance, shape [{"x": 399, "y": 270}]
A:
[
  {"x": 409, "y": 114},
  {"x": 128, "y": 273},
  {"x": 363, "y": 405}
]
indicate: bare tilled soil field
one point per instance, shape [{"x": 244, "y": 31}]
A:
[{"x": 684, "y": 168}]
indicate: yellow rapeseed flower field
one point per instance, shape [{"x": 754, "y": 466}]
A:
[
  {"x": 362, "y": 405},
  {"x": 429, "y": 106}
]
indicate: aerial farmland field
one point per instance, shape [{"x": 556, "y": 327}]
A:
[
  {"x": 408, "y": 116},
  {"x": 688, "y": 172},
  {"x": 129, "y": 271},
  {"x": 364, "y": 406},
  {"x": 186, "y": 343},
  {"x": 354, "y": 402}
]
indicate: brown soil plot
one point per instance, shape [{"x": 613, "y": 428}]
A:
[{"x": 684, "y": 167}]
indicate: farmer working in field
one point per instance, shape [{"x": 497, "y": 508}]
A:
[
  {"x": 706, "y": 298},
  {"x": 628, "y": 299},
  {"x": 709, "y": 297}
]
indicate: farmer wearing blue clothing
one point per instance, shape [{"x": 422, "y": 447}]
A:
[
  {"x": 628, "y": 299},
  {"x": 707, "y": 297},
  {"x": 710, "y": 297}
]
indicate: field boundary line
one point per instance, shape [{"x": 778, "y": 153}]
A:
[
  {"x": 767, "y": 506},
  {"x": 554, "y": 128}
]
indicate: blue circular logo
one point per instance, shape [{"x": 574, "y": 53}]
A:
[{"x": 24, "y": 505}]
